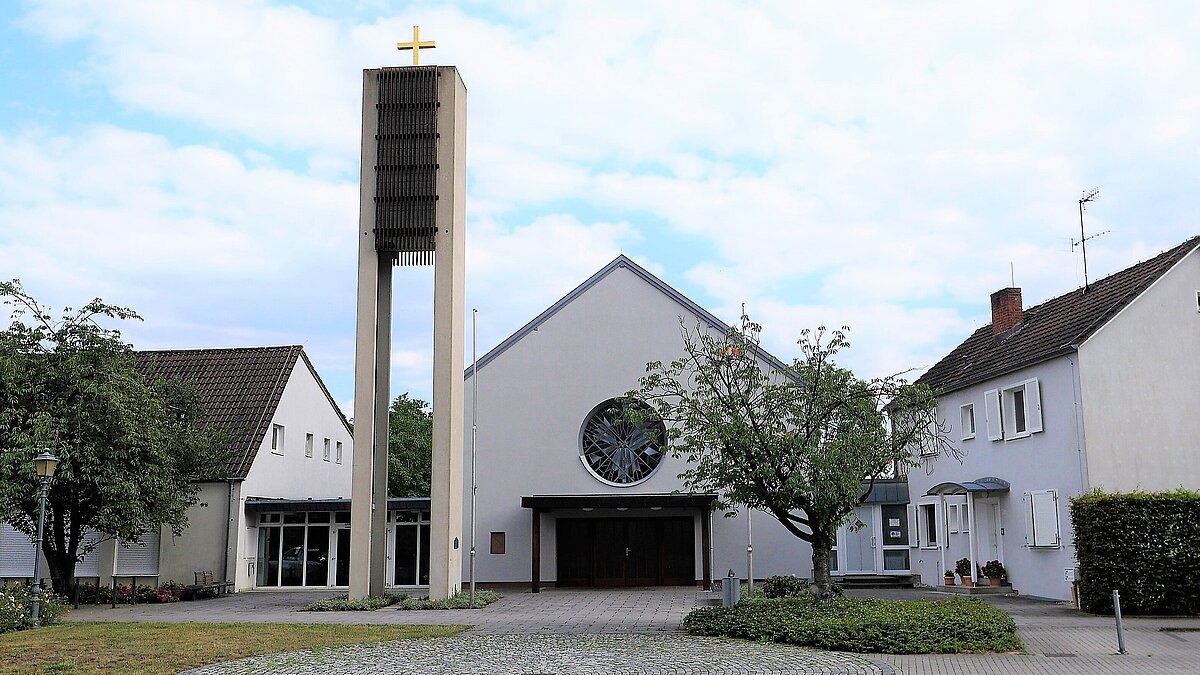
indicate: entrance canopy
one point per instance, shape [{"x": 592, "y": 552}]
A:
[
  {"x": 255, "y": 505},
  {"x": 986, "y": 487},
  {"x": 612, "y": 501}
]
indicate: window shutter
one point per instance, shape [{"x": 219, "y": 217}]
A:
[
  {"x": 1045, "y": 518},
  {"x": 16, "y": 553},
  {"x": 991, "y": 401},
  {"x": 139, "y": 560},
  {"x": 1033, "y": 406},
  {"x": 90, "y": 565},
  {"x": 912, "y": 526},
  {"x": 1027, "y": 507}
]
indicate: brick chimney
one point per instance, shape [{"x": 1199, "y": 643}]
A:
[{"x": 1006, "y": 309}]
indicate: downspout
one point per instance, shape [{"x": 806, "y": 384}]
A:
[
  {"x": 228, "y": 526},
  {"x": 1077, "y": 395}
]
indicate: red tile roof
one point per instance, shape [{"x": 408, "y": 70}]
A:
[
  {"x": 240, "y": 387},
  {"x": 1055, "y": 327}
]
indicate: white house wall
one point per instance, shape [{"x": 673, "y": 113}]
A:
[
  {"x": 1140, "y": 381},
  {"x": 533, "y": 401},
  {"x": 1051, "y": 459},
  {"x": 303, "y": 408}
]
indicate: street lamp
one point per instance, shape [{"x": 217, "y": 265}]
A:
[{"x": 45, "y": 464}]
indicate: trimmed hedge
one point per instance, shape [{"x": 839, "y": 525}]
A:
[
  {"x": 785, "y": 586},
  {"x": 864, "y": 624},
  {"x": 461, "y": 600},
  {"x": 1145, "y": 545}
]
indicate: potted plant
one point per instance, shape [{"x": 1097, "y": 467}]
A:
[
  {"x": 949, "y": 578},
  {"x": 963, "y": 567},
  {"x": 995, "y": 572}
]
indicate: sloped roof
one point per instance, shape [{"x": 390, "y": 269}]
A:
[
  {"x": 620, "y": 262},
  {"x": 240, "y": 387},
  {"x": 1053, "y": 328}
]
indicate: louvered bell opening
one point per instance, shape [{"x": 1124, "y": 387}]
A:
[{"x": 406, "y": 164}]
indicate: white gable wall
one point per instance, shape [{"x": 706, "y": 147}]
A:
[
  {"x": 1140, "y": 381},
  {"x": 533, "y": 400},
  {"x": 303, "y": 408}
]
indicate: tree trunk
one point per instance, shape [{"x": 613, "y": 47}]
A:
[
  {"x": 62, "y": 570},
  {"x": 822, "y": 577}
]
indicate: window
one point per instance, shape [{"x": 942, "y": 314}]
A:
[
  {"x": 497, "y": 543},
  {"x": 1041, "y": 519},
  {"x": 277, "y": 439},
  {"x": 325, "y": 451},
  {"x": 1014, "y": 412},
  {"x": 966, "y": 415},
  {"x": 1022, "y": 409},
  {"x": 952, "y": 518},
  {"x": 927, "y": 515},
  {"x": 339, "y": 452},
  {"x": 308, "y": 443}
]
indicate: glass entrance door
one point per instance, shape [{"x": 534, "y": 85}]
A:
[{"x": 341, "y": 556}]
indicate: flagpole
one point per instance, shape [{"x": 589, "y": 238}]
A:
[{"x": 474, "y": 419}]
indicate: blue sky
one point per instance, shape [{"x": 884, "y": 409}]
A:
[{"x": 880, "y": 165}]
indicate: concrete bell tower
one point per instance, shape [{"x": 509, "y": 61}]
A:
[{"x": 412, "y": 211}]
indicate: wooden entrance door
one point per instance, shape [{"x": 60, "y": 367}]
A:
[{"x": 625, "y": 551}]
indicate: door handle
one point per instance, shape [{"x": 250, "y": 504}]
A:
[
  {"x": 872, "y": 541},
  {"x": 626, "y": 552}
]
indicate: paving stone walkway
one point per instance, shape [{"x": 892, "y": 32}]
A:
[{"x": 587, "y": 653}]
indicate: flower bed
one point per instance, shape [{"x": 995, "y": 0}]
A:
[{"x": 16, "y": 602}]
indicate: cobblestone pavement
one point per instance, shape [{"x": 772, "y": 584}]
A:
[{"x": 593, "y": 653}]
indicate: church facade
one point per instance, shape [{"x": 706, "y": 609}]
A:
[{"x": 567, "y": 496}]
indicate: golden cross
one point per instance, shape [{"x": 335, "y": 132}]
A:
[{"x": 416, "y": 45}]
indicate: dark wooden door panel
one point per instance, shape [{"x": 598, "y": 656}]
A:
[
  {"x": 679, "y": 552},
  {"x": 573, "y": 540},
  {"x": 608, "y": 552},
  {"x": 643, "y": 543}
]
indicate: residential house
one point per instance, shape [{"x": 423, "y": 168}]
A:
[{"x": 1096, "y": 388}]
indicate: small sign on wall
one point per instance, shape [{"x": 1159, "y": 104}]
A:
[{"x": 894, "y": 522}]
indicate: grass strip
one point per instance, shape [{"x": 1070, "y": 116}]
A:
[{"x": 135, "y": 647}]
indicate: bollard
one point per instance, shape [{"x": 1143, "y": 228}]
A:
[
  {"x": 1120, "y": 626},
  {"x": 731, "y": 590}
]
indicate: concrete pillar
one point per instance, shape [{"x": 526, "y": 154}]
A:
[
  {"x": 449, "y": 328},
  {"x": 367, "y": 350}
]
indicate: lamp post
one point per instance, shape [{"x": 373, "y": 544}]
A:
[{"x": 45, "y": 464}]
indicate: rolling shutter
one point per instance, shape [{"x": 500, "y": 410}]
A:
[
  {"x": 90, "y": 565},
  {"x": 16, "y": 553},
  {"x": 139, "y": 560},
  {"x": 995, "y": 428},
  {"x": 1033, "y": 406}
]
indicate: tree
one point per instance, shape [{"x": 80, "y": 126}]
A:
[
  {"x": 410, "y": 447},
  {"x": 127, "y": 443},
  {"x": 804, "y": 444}
]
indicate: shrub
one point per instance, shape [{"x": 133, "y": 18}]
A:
[
  {"x": 864, "y": 624},
  {"x": 461, "y": 600},
  {"x": 1155, "y": 560},
  {"x": 963, "y": 567},
  {"x": 994, "y": 569},
  {"x": 168, "y": 592},
  {"x": 785, "y": 586},
  {"x": 16, "y": 602}
]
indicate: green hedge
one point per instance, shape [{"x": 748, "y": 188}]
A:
[
  {"x": 461, "y": 600},
  {"x": 864, "y": 624},
  {"x": 1145, "y": 545}
]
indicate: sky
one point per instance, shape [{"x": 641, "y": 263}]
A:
[{"x": 884, "y": 166}]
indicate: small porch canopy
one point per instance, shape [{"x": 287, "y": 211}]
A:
[
  {"x": 981, "y": 487},
  {"x": 545, "y": 503}
]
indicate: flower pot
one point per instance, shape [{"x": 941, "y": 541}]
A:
[
  {"x": 995, "y": 581},
  {"x": 968, "y": 582},
  {"x": 949, "y": 580}
]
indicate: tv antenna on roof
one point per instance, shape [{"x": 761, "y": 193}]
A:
[{"x": 1088, "y": 196}]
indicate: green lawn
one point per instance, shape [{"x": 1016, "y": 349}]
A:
[{"x": 103, "y": 647}]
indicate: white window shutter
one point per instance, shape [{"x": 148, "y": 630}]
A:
[
  {"x": 995, "y": 428},
  {"x": 1045, "y": 518},
  {"x": 1027, "y": 507},
  {"x": 912, "y": 526},
  {"x": 1033, "y": 406},
  {"x": 16, "y": 553},
  {"x": 139, "y": 560}
]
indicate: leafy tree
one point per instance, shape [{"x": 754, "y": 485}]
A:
[
  {"x": 410, "y": 447},
  {"x": 805, "y": 444},
  {"x": 127, "y": 443}
]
